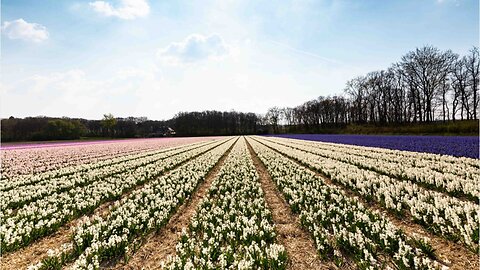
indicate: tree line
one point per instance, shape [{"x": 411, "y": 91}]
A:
[
  {"x": 426, "y": 85},
  {"x": 207, "y": 123},
  {"x": 44, "y": 128}
]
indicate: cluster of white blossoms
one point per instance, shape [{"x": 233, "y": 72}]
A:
[
  {"x": 444, "y": 215},
  {"x": 454, "y": 176},
  {"x": 36, "y": 160},
  {"x": 341, "y": 226},
  {"x": 64, "y": 179},
  {"x": 45, "y": 215},
  {"x": 144, "y": 210},
  {"x": 232, "y": 227}
]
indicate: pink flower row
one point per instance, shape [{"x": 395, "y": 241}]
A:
[{"x": 37, "y": 158}]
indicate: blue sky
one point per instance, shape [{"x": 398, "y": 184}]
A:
[{"x": 156, "y": 58}]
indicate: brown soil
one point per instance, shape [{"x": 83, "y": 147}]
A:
[
  {"x": 453, "y": 255},
  {"x": 450, "y": 254},
  {"x": 297, "y": 242},
  {"x": 37, "y": 251},
  {"x": 159, "y": 246}
]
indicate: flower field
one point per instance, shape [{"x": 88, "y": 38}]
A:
[
  {"x": 94, "y": 206},
  {"x": 459, "y": 146},
  {"x": 28, "y": 159}
]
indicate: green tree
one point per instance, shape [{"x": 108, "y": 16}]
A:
[
  {"x": 109, "y": 122},
  {"x": 63, "y": 129}
]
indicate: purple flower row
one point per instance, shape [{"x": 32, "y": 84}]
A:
[{"x": 458, "y": 146}]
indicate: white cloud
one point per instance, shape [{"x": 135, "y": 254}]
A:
[
  {"x": 193, "y": 49},
  {"x": 20, "y": 29},
  {"x": 127, "y": 9}
]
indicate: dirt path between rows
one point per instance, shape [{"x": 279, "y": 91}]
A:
[
  {"x": 37, "y": 250},
  {"x": 450, "y": 254},
  {"x": 157, "y": 247},
  {"x": 297, "y": 242},
  {"x": 453, "y": 255}
]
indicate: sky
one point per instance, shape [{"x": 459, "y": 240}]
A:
[{"x": 156, "y": 58}]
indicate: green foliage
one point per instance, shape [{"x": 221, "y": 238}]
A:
[
  {"x": 64, "y": 129},
  {"x": 109, "y": 122},
  {"x": 425, "y": 246},
  {"x": 41, "y": 128}
]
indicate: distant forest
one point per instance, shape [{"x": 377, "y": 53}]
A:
[{"x": 427, "y": 88}]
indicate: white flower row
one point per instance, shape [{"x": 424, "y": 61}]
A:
[
  {"x": 28, "y": 179},
  {"x": 340, "y": 225},
  {"x": 455, "y": 178},
  {"x": 446, "y": 216},
  {"x": 232, "y": 227},
  {"x": 17, "y": 197},
  {"x": 46, "y": 215},
  {"x": 461, "y": 166},
  {"x": 143, "y": 211},
  {"x": 37, "y": 160}
]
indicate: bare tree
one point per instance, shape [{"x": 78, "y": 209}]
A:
[
  {"x": 273, "y": 116},
  {"x": 288, "y": 116},
  {"x": 427, "y": 69},
  {"x": 459, "y": 84},
  {"x": 399, "y": 98},
  {"x": 356, "y": 90},
  {"x": 473, "y": 67}
]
